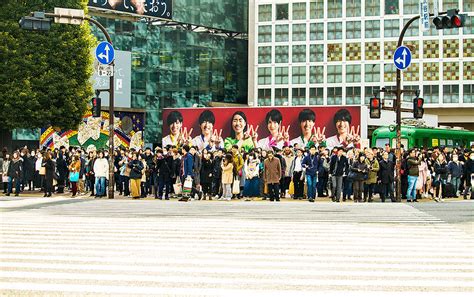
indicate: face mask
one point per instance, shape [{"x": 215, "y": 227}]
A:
[
  {"x": 472, "y": 158},
  {"x": 250, "y": 158},
  {"x": 455, "y": 158}
]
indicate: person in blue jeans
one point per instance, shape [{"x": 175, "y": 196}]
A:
[
  {"x": 101, "y": 169},
  {"x": 14, "y": 173},
  {"x": 412, "y": 162},
  {"x": 311, "y": 163}
]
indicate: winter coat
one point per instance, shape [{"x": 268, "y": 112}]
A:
[
  {"x": 5, "y": 165},
  {"x": 216, "y": 165},
  {"x": 49, "y": 167},
  {"x": 468, "y": 170},
  {"x": 61, "y": 164},
  {"x": 101, "y": 167},
  {"x": 175, "y": 166},
  {"x": 272, "y": 171},
  {"x": 386, "y": 171},
  {"x": 338, "y": 166},
  {"x": 455, "y": 169},
  {"x": 312, "y": 164},
  {"x": 373, "y": 167},
  {"x": 197, "y": 168},
  {"x": 188, "y": 165},
  {"x": 28, "y": 168},
  {"x": 206, "y": 171},
  {"x": 15, "y": 168},
  {"x": 164, "y": 168},
  {"x": 227, "y": 173},
  {"x": 360, "y": 169},
  {"x": 137, "y": 167},
  {"x": 441, "y": 170}
]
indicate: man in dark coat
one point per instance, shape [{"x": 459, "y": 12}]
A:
[
  {"x": 386, "y": 174},
  {"x": 338, "y": 167},
  {"x": 62, "y": 166},
  {"x": 163, "y": 171},
  {"x": 14, "y": 173},
  {"x": 217, "y": 174}
]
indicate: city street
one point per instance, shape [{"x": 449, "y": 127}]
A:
[{"x": 87, "y": 247}]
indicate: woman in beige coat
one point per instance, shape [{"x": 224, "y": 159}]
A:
[{"x": 227, "y": 177}]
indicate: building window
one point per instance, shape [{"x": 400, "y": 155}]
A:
[
  {"x": 353, "y": 51},
  {"x": 281, "y": 75},
  {"x": 335, "y": 96},
  {"x": 299, "y": 53},
  {"x": 334, "y": 74},
  {"x": 431, "y": 94},
  {"x": 412, "y": 29},
  {"x": 450, "y": 4},
  {"x": 265, "y": 76},
  {"x": 281, "y": 54},
  {"x": 353, "y": 73},
  {"x": 468, "y": 94},
  {"x": 411, "y": 7},
  {"x": 390, "y": 73},
  {"x": 468, "y": 6},
  {"x": 334, "y": 52},
  {"x": 316, "y": 74},
  {"x": 299, "y": 32},
  {"x": 391, "y": 6},
  {"x": 372, "y": 7},
  {"x": 353, "y": 95},
  {"x": 316, "y": 53},
  {"x": 409, "y": 97},
  {"x": 264, "y": 54},
  {"x": 316, "y": 9},
  {"x": 372, "y": 51},
  {"x": 451, "y": 94},
  {"x": 334, "y": 8},
  {"x": 450, "y": 48},
  {"x": 316, "y": 31},
  {"x": 281, "y": 33},
  {"x": 369, "y": 93},
  {"x": 392, "y": 28},
  {"x": 372, "y": 29},
  {"x": 316, "y": 96},
  {"x": 265, "y": 13},
  {"x": 264, "y": 34},
  {"x": 264, "y": 97},
  {"x": 451, "y": 71},
  {"x": 430, "y": 71},
  {"x": 468, "y": 70},
  {"x": 468, "y": 20},
  {"x": 335, "y": 30},
  {"x": 353, "y": 30},
  {"x": 299, "y": 11},
  {"x": 353, "y": 8},
  {"x": 372, "y": 73},
  {"x": 281, "y": 97},
  {"x": 282, "y": 11},
  {"x": 298, "y": 96},
  {"x": 298, "y": 75}
]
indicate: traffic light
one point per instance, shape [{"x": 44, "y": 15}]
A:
[
  {"x": 451, "y": 20},
  {"x": 375, "y": 108},
  {"x": 96, "y": 107},
  {"x": 36, "y": 22},
  {"x": 418, "y": 110}
]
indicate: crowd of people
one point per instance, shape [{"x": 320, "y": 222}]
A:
[{"x": 295, "y": 172}]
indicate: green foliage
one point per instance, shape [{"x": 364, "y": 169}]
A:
[{"x": 44, "y": 76}]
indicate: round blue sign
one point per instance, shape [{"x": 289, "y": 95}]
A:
[
  {"x": 402, "y": 57},
  {"x": 105, "y": 53}
]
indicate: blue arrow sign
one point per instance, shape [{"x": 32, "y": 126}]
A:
[
  {"x": 105, "y": 53},
  {"x": 402, "y": 57}
]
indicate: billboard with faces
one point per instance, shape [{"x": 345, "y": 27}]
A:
[{"x": 262, "y": 127}]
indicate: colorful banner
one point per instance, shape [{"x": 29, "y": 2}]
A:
[
  {"x": 263, "y": 127},
  {"x": 93, "y": 133}
]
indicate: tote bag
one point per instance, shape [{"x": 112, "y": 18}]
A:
[
  {"x": 236, "y": 187},
  {"x": 177, "y": 187},
  {"x": 74, "y": 176},
  {"x": 291, "y": 188},
  {"x": 188, "y": 186}
]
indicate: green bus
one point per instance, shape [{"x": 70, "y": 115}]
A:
[{"x": 422, "y": 137}]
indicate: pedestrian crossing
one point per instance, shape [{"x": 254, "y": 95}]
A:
[{"x": 158, "y": 248}]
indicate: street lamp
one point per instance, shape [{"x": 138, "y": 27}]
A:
[{"x": 42, "y": 21}]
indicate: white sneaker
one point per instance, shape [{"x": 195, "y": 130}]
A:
[
  {"x": 220, "y": 198},
  {"x": 228, "y": 199}
]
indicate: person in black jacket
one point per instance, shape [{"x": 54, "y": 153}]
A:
[
  {"x": 136, "y": 167},
  {"x": 441, "y": 177},
  {"x": 468, "y": 172},
  {"x": 386, "y": 174},
  {"x": 50, "y": 167},
  {"x": 206, "y": 175},
  {"x": 14, "y": 173},
  {"x": 28, "y": 169},
  {"x": 62, "y": 164},
  {"x": 217, "y": 174},
  {"x": 163, "y": 171},
  {"x": 359, "y": 170},
  {"x": 338, "y": 167}
]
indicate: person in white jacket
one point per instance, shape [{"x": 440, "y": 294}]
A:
[{"x": 101, "y": 169}]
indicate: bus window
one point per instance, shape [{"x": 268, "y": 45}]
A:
[
  {"x": 442, "y": 142},
  {"x": 380, "y": 142},
  {"x": 450, "y": 142},
  {"x": 426, "y": 142}
]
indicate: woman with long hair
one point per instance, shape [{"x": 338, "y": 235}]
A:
[
  {"x": 240, "y": 133},
  {"x": 49, "y": 167}
]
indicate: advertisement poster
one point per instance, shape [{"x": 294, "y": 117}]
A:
[
  {"x": 263, "y": 127},
  {"x": 93, "y": 133}
]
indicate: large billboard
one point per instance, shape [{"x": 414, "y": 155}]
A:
[
  {"x": 154, "y": 8},
  {"x": 263, "y": 127}
]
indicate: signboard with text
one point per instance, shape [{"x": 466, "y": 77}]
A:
[{"x": 153, "y": 8}]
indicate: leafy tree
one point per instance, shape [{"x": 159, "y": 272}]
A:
[{"x": 44, "y": 76}]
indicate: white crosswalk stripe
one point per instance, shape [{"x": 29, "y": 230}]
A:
[{"x": 135, "y": 248}]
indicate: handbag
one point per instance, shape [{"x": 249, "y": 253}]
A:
[
  {"x": 177, "y": 187},
  {"x": 291, "y": 188},
  {"x": 74, "y": 176},
  {"x": 42, "y": 170},
  {"x": 265, "y": 189},
  {"x": 188, "y": 186},
  {"x": 5, "y": 179},
  {"x": 351, "y": 175},
  {"x": 236, "y": 186}
]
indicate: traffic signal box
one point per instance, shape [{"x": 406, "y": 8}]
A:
[
  {"x": 375, "y": 108},
  {"x": 96, "y": 106},
  {"x": 451, "y": 20},
  {"x": 418, "y": 109}
]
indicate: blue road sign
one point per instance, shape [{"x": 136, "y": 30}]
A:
[
  {"x": 105, "y": 53},
  {"x": 402, "y": 57}
]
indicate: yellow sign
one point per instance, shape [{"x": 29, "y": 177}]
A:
[{"x": 434, "y": 142}]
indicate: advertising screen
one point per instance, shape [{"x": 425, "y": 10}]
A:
[
  {"x": 154, "y": 8},
  {"x": 262, "y": 127}
]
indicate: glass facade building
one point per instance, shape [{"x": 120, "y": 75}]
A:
[
  {"x": 176, "y": 67},
  {"x": 331, "y": 52}
]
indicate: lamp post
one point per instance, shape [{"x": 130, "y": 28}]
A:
[{"x": 41, "y": 21}]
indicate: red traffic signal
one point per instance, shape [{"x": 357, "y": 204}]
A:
[
  {"x": 375, "y": 108},
  {"x": 451, "y": 20},
  {"x": 418, "y": 109},
  {"x": 96, "y": 106}
]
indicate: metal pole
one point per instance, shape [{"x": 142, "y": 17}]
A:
[
  {"x": 398, "y": 110},
  {"x": 111, "y": 101}
]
